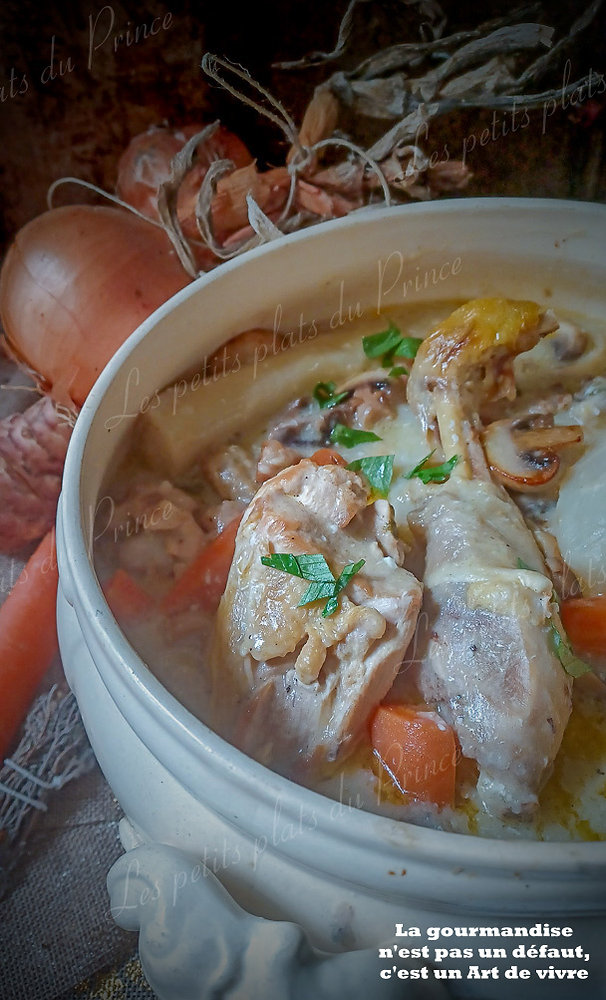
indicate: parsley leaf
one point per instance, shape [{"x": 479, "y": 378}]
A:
[
  {"x": 324, "y": 394},
  {"x": 330, "y": 607},
  {"x": 398, "y": 370},
  {"x": 283, "y": 561},
  {"x": 349, "y": 437},
  {"x": 346, "y": 574},
  {"x": 308, "y": 567},
  {"x": 344, "y": 577},
  {"x": 407, "y": 348},
  {"x": 381, "y": 343},
  {"x": 313, "y": 567},
  {"x": 561, "y": 647},
  {"x": 390, "y": 344},
  {"x": 378, "y": 470},
  {"x": 317, "y": 591},
  {"x": 571, "y": 663},
  {"x": 523, "y": 565},
  {"x": 433, "y": 473}
]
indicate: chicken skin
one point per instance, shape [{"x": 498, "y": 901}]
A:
[
  {"x": 292, "y": 686},
  {"x": 485, "y": 652}
]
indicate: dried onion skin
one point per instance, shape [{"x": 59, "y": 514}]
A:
[{"x": 145, "y": 164}]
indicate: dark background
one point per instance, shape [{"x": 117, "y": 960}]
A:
[{"x": 79, "y": 122}]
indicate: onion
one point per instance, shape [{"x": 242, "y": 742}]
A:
[{"x": 75, "y": 284}]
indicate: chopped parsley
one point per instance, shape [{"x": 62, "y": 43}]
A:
[
  {"x": 308, "y": 567},
  {"x": 349, "y": 437},
  {"x": 523, "y": 565},
  {"x": 560, "y": 644},
  {"x": 433, "y": 473},
  {"x": 571, "y": 663},
  {"x": 324, "y": 394},
  {"x": 382, "y": 343},
  {"x": 343, "y": 579},
  {"x": 315, "y": 569},
  {"x": 390, "y": 344},
  {"x": 378, "y": 470}
]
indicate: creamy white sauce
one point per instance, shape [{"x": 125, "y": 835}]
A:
[{"x": 578, "y": 520}]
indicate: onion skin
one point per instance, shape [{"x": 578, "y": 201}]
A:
[
  {"x": 76, "y": 282},
  {"x": 146, "y": 164}
]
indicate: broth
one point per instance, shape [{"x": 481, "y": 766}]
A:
[{"x": 192, "y": 468}]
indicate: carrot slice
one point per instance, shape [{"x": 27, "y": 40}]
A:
[
  {"x": 204, "y": 580},
  {"x": 126, "y": 598},
  {"x": 327, "y": 456},
  {"x": 418, "y": 749},
  {"x": 584, "y": 619},
  {"x": 28, "y": 637}
]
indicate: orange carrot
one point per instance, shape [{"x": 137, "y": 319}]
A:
[
  {"x": 418, "y": 749},
  {"x": 584, "y": 619},
  {"x": 204, "y": 580},
  {"x": 327, "y": 456},
  {"x": 28, "y": 637},
  {"x": 126, "y": 598}
]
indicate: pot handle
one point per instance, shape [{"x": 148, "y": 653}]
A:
[{"x": 197, "y": 943}]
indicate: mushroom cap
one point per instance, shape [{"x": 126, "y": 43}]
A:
[{"x": 523, "y": 453}]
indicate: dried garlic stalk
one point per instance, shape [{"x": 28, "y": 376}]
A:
[
  {"x": 406, "y": 85},
  {"x": 487, "y": 67}
]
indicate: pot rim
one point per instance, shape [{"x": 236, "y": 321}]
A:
[{"x": 164, "y": 713}]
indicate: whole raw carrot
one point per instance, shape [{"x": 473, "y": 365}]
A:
[{"x": 28, "y": 637}]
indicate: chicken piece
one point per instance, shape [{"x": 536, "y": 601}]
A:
[
  {"x": 565, "y": 581},
  {"x": 484, "y": 646},
  {"x": 156, "y": 531},
  {"x": 231, "y": 473},
  {"x": 274, "y": 457},
  {"x": 291, "y": 687},
  {"x": 484, "y": 650}
]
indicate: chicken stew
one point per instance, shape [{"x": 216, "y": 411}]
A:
[{"x": 359, "y": 558}]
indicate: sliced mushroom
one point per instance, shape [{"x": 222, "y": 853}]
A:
[
  {"x": 377, "y": 378},
  {"x": 568, "y": 342},
  {"x": 371, "y": 396},
  {"x": 523, "y": 453}
]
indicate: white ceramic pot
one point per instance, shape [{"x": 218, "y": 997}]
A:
[{"x": 283, "y": 852}]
